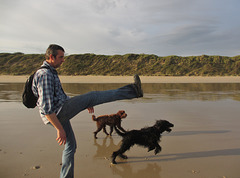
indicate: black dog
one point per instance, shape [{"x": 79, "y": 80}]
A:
[{"x": 147, "y": 137}]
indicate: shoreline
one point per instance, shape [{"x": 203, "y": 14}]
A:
[{"x": 129, "y": 79}]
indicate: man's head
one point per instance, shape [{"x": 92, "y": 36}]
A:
[{"x": 55, "y": 55}]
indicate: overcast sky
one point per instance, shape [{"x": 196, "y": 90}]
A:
[{"x": 161, "y": 27}]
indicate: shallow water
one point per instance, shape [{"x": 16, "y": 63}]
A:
[
  {"x": 203, "y": 143},
  {"x": 161, "y": 91}
]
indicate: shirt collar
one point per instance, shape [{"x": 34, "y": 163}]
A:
[{"x": 45, "y": 63}]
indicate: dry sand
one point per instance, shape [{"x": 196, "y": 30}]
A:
[
  {"x": 129, "y": 79},
  {"x": 203, "y": 144}
]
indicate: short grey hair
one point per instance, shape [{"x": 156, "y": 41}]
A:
[{"x": 53, "y": 49}]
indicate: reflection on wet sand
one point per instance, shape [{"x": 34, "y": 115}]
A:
[
  {"x": 163, "y": 91},
  {"x": 152, "y": 169},
  {"x": 105, "y": 149},
  {"x": 106, "y": 146}
]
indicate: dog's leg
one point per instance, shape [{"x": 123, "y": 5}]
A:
[
  {"x": 123, "y": 156},
  {"x": 120, "y": 127},
  {"x": 114, "y": 155},
  {"x": 123, "y": 149},
  {"x": 151, "y": 147},
  {"x": 118, "y": 153},
  {"x": 98, "y": 130},
  {"x": 111, "y": 130},
  {"x": 157, "y": 149},
  {"x": 104, "y": 130}
]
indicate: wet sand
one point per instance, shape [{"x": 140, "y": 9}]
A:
[{"x": 204, "y": 142}]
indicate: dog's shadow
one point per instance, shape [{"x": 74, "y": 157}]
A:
[
  {"x": 190, "y": 155},
  {"x": 183, "y": 133}
]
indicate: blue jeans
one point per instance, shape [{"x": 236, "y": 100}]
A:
[{"x": 77, "y": 104}]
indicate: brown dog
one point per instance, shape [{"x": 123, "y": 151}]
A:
[{"x": 111, "y": 120}]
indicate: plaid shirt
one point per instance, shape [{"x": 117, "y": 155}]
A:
[{"x": 51, "y": 97}]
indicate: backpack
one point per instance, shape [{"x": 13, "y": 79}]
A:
[{"x": 28, "y": 98}]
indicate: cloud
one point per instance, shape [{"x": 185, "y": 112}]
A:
[
  {"x": 180, "y": 27},
  {"x": 102, "y": 6}
]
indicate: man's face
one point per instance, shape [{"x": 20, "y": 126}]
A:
[{"x": 59, "y": 59}]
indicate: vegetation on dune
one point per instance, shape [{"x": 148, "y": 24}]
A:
[{"x": 128, "y": 64}]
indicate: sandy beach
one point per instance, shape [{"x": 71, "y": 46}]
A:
[{"x": 203, "y": 144}]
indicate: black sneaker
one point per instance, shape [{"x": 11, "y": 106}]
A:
[{"x": 138, "y": 86}]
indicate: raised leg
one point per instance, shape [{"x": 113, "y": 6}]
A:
[{"x": 79, "y": 103}]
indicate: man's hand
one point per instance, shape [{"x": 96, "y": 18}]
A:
[
  {"x": 61, "y": 137},
  {"x": 61, "y": 134},
  {"x": 91, "y": 110}
]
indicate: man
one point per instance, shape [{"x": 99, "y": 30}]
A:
[{"x": 56, "y": 108}]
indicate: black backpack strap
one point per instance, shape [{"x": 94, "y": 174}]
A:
[{"x": 42, "y": 67}]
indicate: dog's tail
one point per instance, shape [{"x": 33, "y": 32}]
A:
[
  {"x": 119, "y": 132},
  {"x": 94, "y": 118}
]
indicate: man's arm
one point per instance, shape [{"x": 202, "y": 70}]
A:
[{"x": 61, "y": 135}]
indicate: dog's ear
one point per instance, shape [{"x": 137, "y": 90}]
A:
[
  {"x": 119, "y": 113},
  {"x": 159, "y": 124}
]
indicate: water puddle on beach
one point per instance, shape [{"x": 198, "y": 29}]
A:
[{"x": 161, "y": 91}]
